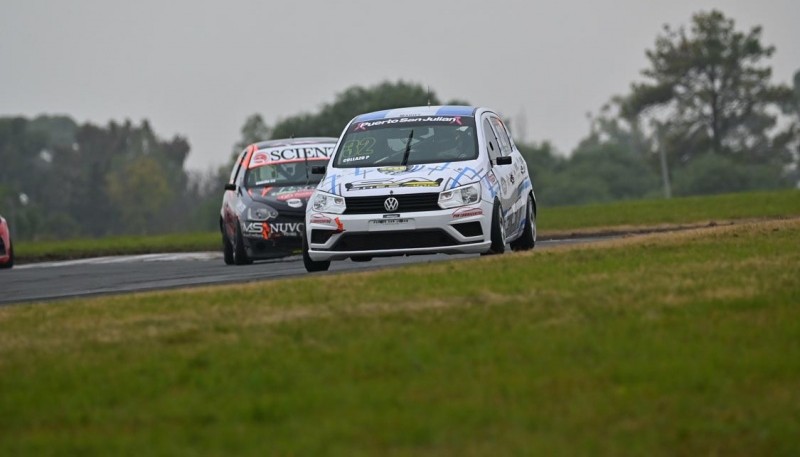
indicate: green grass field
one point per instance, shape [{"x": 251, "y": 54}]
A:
[
  {"x": 665, "y": 344},
  {"x": 552, "y": 222},
  {"x": 676, "y": 211}
]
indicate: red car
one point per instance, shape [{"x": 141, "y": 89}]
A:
[{"x": 6, "y": 251}]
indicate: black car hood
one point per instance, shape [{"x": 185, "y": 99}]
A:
[{"x": 290, "y": 200}]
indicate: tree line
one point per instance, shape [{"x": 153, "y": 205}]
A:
[{"x": 705, "y": 119}]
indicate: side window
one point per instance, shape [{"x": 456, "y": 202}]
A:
[
  {"x": 236, "y": 167},
  {"x": 502, "y": 136},
  {"x": 491, "y": 141}
]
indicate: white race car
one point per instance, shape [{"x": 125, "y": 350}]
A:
[{"x": 421, "y": 180}]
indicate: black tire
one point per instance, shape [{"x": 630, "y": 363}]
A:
[
  {"x": 313, "y": 265},
  {"x": 498, "y": 234},
  {"x": 227, "y": 250},
  {"x": 527, "y": 240},
  {"x": 239, "y": 252},
  {"x": 361, "y": 258}
]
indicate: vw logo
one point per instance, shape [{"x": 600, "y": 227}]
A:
[{"x": 391, "y": 204}]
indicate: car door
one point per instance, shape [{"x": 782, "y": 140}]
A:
[
  {"x": 231, "y": 197},
  {"x": 503, "y": 173},
  {"x": 516, "y": 177}
]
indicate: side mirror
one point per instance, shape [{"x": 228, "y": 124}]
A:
[
  {"x": 318, "y": 170},
  {"x": 503, "y": 160},
  {"x": 230, "y": 186}
]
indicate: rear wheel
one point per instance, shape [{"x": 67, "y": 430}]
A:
[
  {"x": 313, "y": 265},
  {"x": 498, "y": 233},
  {"x": 239, "y": 252},
  {"x": 527, "y": 240}
]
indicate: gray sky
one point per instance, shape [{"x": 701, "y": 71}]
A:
[{"x": 199, "y": 68}]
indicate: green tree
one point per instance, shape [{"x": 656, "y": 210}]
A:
[
  {"x": 714, "y": 174},
  {"x": 333, "y": 117},
  {"x": 253, "y": 131},
  {"x": 708, "y": 90},
  {"x": 140, "y": 190},
  {"x": 595, "y": 172}
]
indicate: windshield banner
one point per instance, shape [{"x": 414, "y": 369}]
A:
[
  {"x": 291, "y": 154},
  {"x": 421, "y": 120}
]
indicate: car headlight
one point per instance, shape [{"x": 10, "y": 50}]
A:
[
  {"x": 324, "y": 202},
  {"x": 460, "y": 196},
  {"x": 261, "y": 212}
]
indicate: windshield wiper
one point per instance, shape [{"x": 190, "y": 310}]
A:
[{"x": 408, "y": 148}]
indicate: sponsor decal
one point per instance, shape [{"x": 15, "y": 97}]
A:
[
  {"x": 273, "y": 230},
  {"x": 289, "y": 154},
  {"x": 467, "y": 212},
  {"x": 252, "y": 228},
  {"x": 286, "y": 228},
  {"x": 294, "y": 203},
  {"x": 400, "y": 170},
  {"x": 384, "y": 184},
  {"x": 295, "y": 194},
  {"x": 393, "y": 170},
  {"x": 318, "y": 218},
  {"x": 362, "y": 126}
]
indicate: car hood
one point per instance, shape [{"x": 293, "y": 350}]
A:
[
  {"x": 291, "y": 199},
  {"x": 421, "y": 178}
]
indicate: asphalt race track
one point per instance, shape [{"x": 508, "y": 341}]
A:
[{"x": 125, "y": 274}]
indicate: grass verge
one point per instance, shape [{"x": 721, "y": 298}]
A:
[
  {"x": 553, "y": 222},
  {"x": 37, "y": 251},
  {"x": 637, "y": 214},
  {"x": 669, "y": 344}
]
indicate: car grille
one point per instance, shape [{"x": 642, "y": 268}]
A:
[
  {"x": 409, "y": 203},
  {"x": 398, "y": 239}
]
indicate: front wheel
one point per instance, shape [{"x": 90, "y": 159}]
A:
[
  {"x": 313, "y": 265},
  {"x": 498, "y": 233},
  {"x": 227, "y": 250},
  {"x": 239, "y": 252},
  {"x": 527, "y": 240}
]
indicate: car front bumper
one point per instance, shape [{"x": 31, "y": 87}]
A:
[
  {"x": 462, "y": 230},
  {"x": 283, "y": 238}
]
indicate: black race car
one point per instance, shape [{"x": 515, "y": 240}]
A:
[{"x": 263, "y": 209}]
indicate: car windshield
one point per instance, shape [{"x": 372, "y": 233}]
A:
[
  {"x": 283, "y": 174},
  {"x": 407, "y": 141}
]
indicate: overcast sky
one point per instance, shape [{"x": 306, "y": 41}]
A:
[{"x": 198, "y": 68}]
